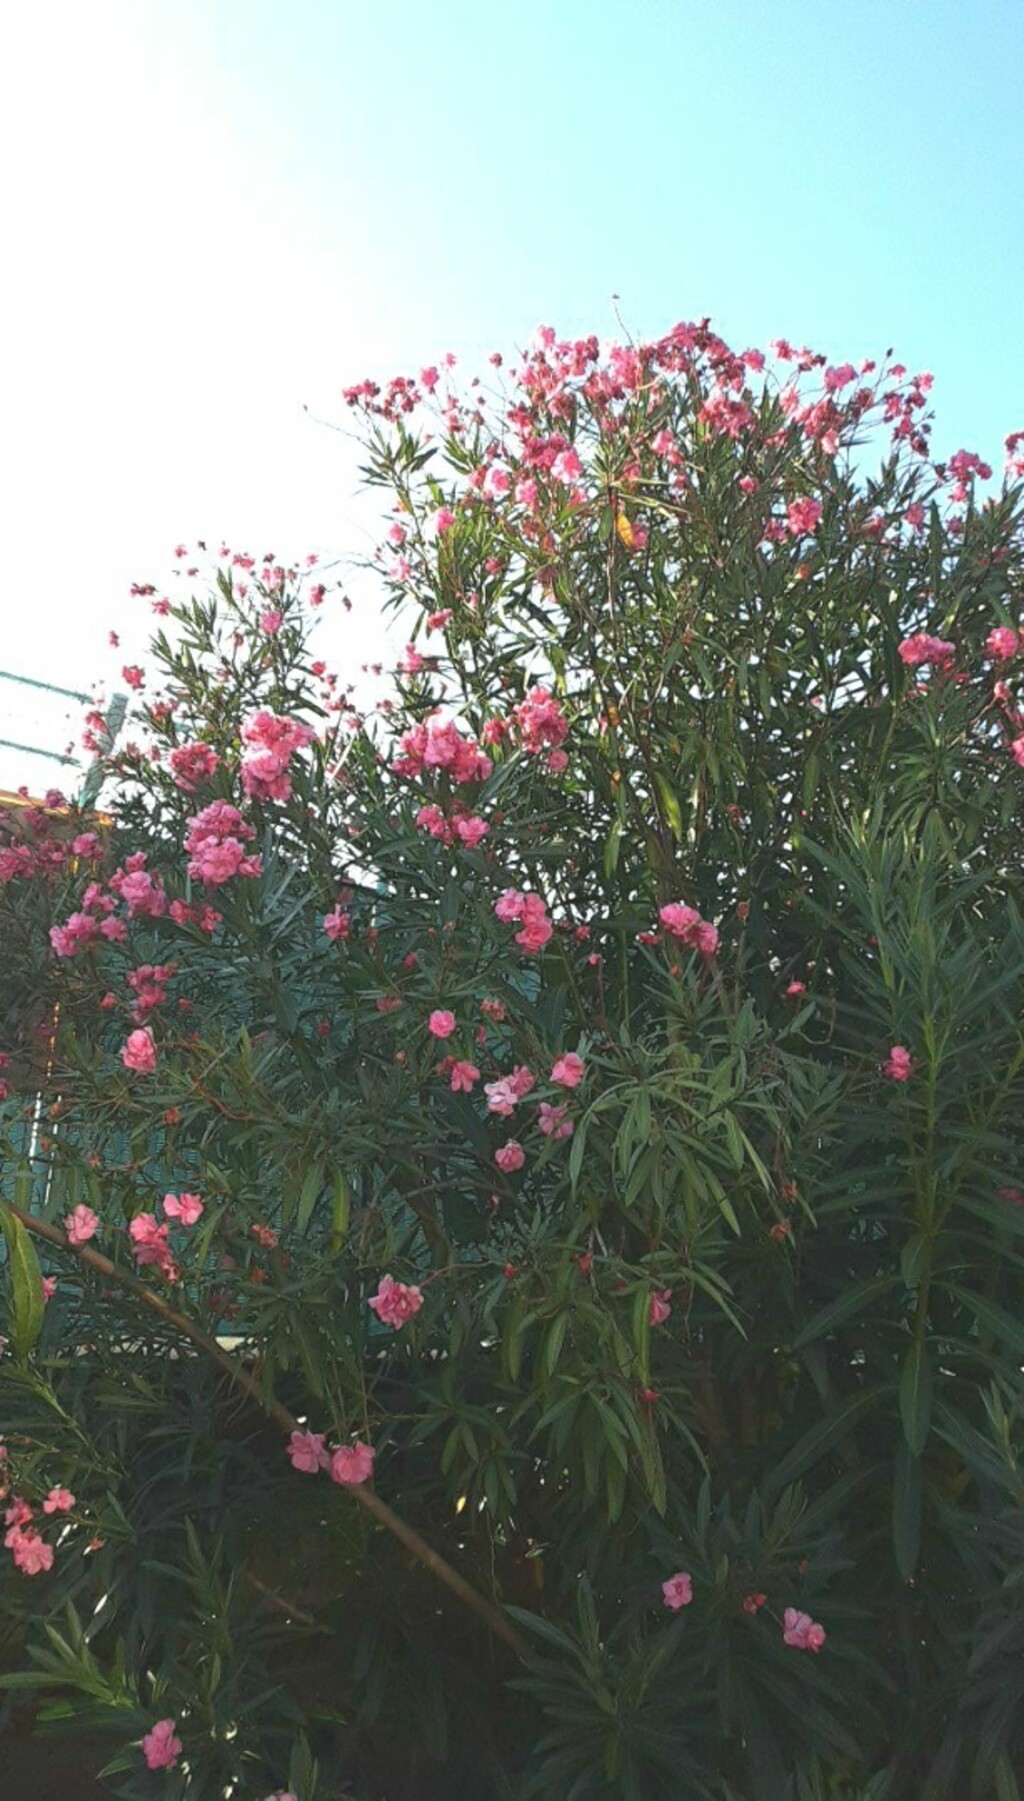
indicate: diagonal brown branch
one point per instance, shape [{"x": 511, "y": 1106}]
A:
[{"x": 407, "y": 1535}]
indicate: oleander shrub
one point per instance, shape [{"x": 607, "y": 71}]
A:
[{"x": 512, "y": 1173}]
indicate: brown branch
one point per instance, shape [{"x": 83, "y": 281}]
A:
[{"x": 407, "y": 1535}]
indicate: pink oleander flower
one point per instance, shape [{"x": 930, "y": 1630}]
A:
[
  {"x": 186, "y": 1208},
  {"x": 160, "y": 1747},
  {"x": 306, "y": 1450},
  {"x": 686, "y": 924},
  {"x": 337, "y": 925},
  {"x": 558, "y": 761},
  {"x": 192, "y": 764},
  {"x": 509, "y": 905},
  {"x": 149, "y": 1244},
  {"x": 921, "y": 648},
  {"x": 899, "y": 1064},
  {"x": 660, "y": 1307},
  {"x": 510, "y": 1157},
  {"x": 753, "y": 1603},
  {"x": 271, "y": 621},
  {"x": 800, "y": 1631},
  {"x": 32, "y": 1555},
  {"x": 81, "y": 1225},
  {"x": 464, "y": 1075},
  {"x": 677, "y": 1591},
  {"x": 59, "y": 1500},
  {"x": 539, "y": 721},
  {"x": 802, "y": 516},
  {"x": 1017, "y": 752},
  {"x": 471, "y": 830},
  {"x": 501, "y": 1097},
  {"x": 138, "y": 1053},
  {"x": 441, "y": 1023},
  {"x": 49, "y": 1288},
  {"x": 395, "y": 1303},
  {"x": 441, "y": 522},
  {"x": 552, "y": 1121},
  {"x": 569, "y": 1070},
  {"x": 352, "y": 1465},
  {"x": 1002, "y": 643}
]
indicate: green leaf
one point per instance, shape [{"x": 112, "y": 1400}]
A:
[
  {"x": 852, "y": 1300},
  {"x": 26, "y": 1279},
  {"x": 907, "y": 1492},
  {"x": 670, "y": 806},
  {"x": 916, "y": 1395},
  {"x": 830, "y": 1430}
]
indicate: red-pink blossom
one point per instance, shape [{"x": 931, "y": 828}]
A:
[
  {"x": 81, "y": 1224},
  {"x": 510, "y": 1157},
  {"x": 921, "y": 648},
  {"x": 395, "y": 1303},
  {"x": 138, "y": 1053},
  {"x": 802, "y": 516},
  {"x": 686, "y": 924},
  {"x": 441, "y": 1023},
  {"x": 1002, "y": 643},
  {"x": 899, "y": 1064},
  {"x": 192, "y": 764},
  {"x": 352, "y": 1465},
  {"x": 800, "y": 1631},
  {"x": 677, "y": 1591},
  {"x": 160, "y": 1747}
]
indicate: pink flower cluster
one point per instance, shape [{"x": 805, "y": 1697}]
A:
[
  {"x": 540, "y": 722},
  {"x": 192, "y": 764},
  {"x": 395, "y": 1303},
  {"x": 921, "y": 648},
  {"x": 531, "y": 913},
  {"x": 272, "y": 742},
  {"x": 800, "y": 1631},
  {"x": 215, "y": 842},
  {"x": 149, "y": 986},
  {"x": 686, "y": 924},
  {"x": 503, "y": 1094},
  {"x": 463, "y": 828},
  {"x": 350, "y": 1465},
  {"x": 437, "y": 743},
  {"x": 150, "y": 1246},
  {"x": 32, "y": 1555},
  {"x": 143, "y": 894}
]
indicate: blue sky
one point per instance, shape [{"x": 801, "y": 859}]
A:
[{"x": 225, "y": 210}]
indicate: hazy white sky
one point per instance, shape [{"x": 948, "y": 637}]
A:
[{"x": 215, "y": 212}]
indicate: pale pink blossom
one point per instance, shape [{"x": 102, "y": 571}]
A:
[
  {"x": 441, "y": 1023},
  {"x": 677, "y": 1591},
  {"x": 660, "y": 1306},
  {"x": 352, "y": 1465},
  {"x": 569, "y": 1070},
  {"x": 464, "y": 1076},
  {"x": 395, "y": 1303},
  {"x": 800, "y": 1631},
  {"x": 187, "y": 1208},
  {"x": 552, "y": 1121},
  {"x": 32, "y": 1555},
  {"x": 160, "y": 1747},
  {"x": 59, "y": 1500},
  {"x": 501, "y": 1097},
  {"x": 307, "y": 1453},
  {"x": 81, "y": 1224},
  {"x": 138, "y": 1053}
]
